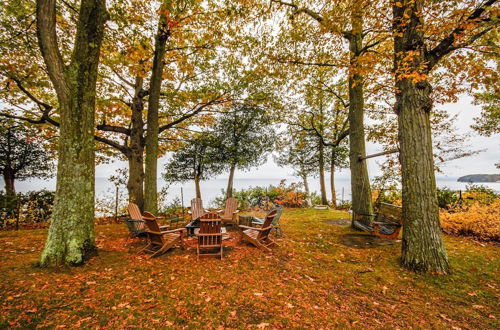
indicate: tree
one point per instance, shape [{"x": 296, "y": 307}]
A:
[
  {"x": 345, "y": 21},
  {"x": 245, "y": 135},
  {"x": 298, "y": 151},
  {"x": 414, "y": 59},
  {"x": 199, "y": 159},
  {"x": 22, "y": 155},
  {"x": 323, "y": 116},
  {"x": 71, "y": 234}
]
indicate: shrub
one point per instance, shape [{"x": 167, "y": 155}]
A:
[
  {"x": 391, "y": 196},
  {"x": 446, "y": 198},
  {"x": 344, "y": 205},
  {"x": 26, "y": 208},
  {"x": 477, "y": 220},
  {"x": 283, "y": 194},
  {"x": 479, "y": 194}
]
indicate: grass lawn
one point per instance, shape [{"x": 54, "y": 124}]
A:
[{"x": 311, "y": 280}]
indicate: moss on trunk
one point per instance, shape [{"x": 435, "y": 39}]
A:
[
  {"x": 422, "y": 248},
  {"x": 70, "y": 239}
]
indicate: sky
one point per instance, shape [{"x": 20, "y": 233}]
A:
[{"x": 482, "y": 163}]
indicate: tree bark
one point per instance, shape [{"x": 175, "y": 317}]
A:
[
  {"x": 197, "y": 186},
  {"x": 8, "y": 178},
  {"x": 306, "y": 189},
  {"x": 135, "y": 184},
  {"x": 71, "y": 234},
  {"x": 422, "y": 248},
  {"x": 360, "y": 183},
  {"x": 151, "y": 165},
  {"x": 324, "y": 199},
  {"x": 229, "y": 190},
  {"x": 332, "y": 181}
]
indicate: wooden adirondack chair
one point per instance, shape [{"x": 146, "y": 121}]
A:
[
  {"x": 260, "y": 236},
  {"x": 210, "y": 235},
  {"x": 160, "y": 241},
  {"x": 197, "y": 210},
  {"x": 136, "y": 224},
  {"x": 229, "y": 212},
  {"x": 258, "y": 222}
]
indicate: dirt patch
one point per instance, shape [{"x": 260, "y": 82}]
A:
[
  {"x": 339, "y": 222},
  {"x": 365, "y": 241}
]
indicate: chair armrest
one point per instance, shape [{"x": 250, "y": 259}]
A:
[
  {"x": 162, "y": 227},
  {"x": 133, "y": 220},
  {"x": 148, "y": 215},
  {"x": 254, "y": 228},
  {"x": 173, "y": 231},
  {"x": 189, "y": 212},
  {"x": 236, "y": 211},
  {"x": 246, "y": 227},
  {"x": 219, "y": 211}
]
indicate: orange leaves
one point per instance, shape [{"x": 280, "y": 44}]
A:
[{"x": 478, "y": 221}]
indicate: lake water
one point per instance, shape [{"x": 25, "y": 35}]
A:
[{"x": 212, "y": 188}]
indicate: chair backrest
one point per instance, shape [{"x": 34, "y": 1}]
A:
[
  {"x": 390, "y": 213},
  {"x": 231, "y": 206},
  {"x": 154, "y": 232},
  {"x": 276, "y": 219},
  {"x": 267, "y": 223},
  {"x": 210, "y": 230},
  {"x": 197, "y": 210},
  {"x": 135, "y": 214}
]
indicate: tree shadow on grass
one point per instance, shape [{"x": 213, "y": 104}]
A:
[{"x": 365, "y": 241}]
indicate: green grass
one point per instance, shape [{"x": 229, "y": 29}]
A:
[{"x": 310, "y": 280}]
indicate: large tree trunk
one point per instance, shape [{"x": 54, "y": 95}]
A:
[
  {"x": 197, "y": 186},
  {"x": 332, "y": 181},
  {"x": 135, "y": 184},
  {"x": 306, "y": 189},
  {"x": 229, "y": 190},
  {"x": 8, "y": 178},
  {"x": 324, "y": 199},
  {"x": 151, "y": 172},
  {"x": 360, "y": 183},
  {"x": 422, "y": 247},
  {"x": 71, "y": 234}
]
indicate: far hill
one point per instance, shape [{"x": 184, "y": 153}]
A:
[{"x": 480, "y": 178}]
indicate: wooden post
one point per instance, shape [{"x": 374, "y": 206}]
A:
[
  {"x": 182, "y": 202},
  {"x": 116, "y": 204}
]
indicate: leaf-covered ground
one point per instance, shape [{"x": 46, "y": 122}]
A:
[{"x": 313, "y": 279}]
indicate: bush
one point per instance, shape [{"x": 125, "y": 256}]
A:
[
  {"x": 477, "y": 220},
  {"x": 173, "y": 209},
  {"x": 446, "y": 198},
  {"x": 479, "y": 194},
  {"x": 26, "y": 208},
  {"x": 344, "y": 205},
  {"x": 391, "y": 196},
  {"x": 286, "y": 195}
]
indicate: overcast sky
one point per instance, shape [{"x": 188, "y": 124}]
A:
[{"x": 483, "y": 162}]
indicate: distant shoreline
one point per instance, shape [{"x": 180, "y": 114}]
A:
[{"x": 480, "y": 178}]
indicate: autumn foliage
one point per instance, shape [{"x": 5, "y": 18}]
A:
[{"x": 479, "y": 221}]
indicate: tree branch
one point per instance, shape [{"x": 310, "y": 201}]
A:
[
  {"x": 47, "y": 39},
  {"x": 197, "y": 109},
  {"x": 447, "y": 44}
]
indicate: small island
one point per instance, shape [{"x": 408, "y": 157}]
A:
[{"x": 480, "y": 178}]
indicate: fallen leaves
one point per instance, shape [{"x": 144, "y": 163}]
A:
[{"x": 299, "y": 285}]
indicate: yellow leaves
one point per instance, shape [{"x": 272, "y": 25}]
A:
[
  {"x": 398, "y": 4},
  {"x": 479, "y": 221}
]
